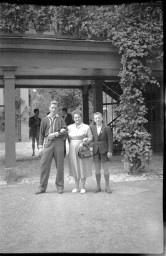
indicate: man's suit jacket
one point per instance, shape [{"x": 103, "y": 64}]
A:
[
  {"x": 68, "y": 119},
  {"x": 102, "y": 142}
]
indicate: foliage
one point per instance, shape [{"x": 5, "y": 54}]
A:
[
  {"x": 139, "y": 39},
  {"x": 14, "y": 18},
  {"x": 137, "y": 31},
  {"x": 136, "y": 141},
  {"x": 41, "y": 98},
  {"x": 71, "y": 20},
  {"x": 2, "y": 121},
  {"x": 18, "y": 101},
  {"x": 18, "y": 116},
  {"x": 20, "y": 18},
  {"x": 42, "y": 17}
]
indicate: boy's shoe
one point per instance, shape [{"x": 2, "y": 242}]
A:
[
  {"x": 40, "y": 192},
  {"x": 60, "y": 191},
  {"x": 97, "y": 190}
]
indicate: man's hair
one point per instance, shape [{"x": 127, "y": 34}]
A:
[
  {"x": 54, "y": 102},
  {"x": 64, "y": 109},
  {"x": 36, "y": 110},
  {"x": 78, "y": 112},
  {"x": 98, "y": 114}
]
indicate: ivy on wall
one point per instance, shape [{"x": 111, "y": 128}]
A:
[
  {"x": 136, "y": 29},
  {"x": 23, "y": 116}
]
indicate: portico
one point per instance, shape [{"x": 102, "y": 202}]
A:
[{"x": 36, "y": 62}]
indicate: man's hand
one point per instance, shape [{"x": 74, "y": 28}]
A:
[
  {"x": 51, "y": 136},
  {"x": 109, "y": 155}
]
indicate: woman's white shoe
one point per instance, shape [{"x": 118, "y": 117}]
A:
[
  {"x": 82, "y": 191},
  {"x": 75, "y": 190}
]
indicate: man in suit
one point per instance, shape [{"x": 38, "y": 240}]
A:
[
  {"x": 102, "y": 149},
  {"x": 51, "y": 145},
  {"x": 67, "y": 117},
  {"x": 34, "y": 125},
  {"x": 68, "y": 120}
]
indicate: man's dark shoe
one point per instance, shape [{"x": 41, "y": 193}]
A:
[
  {"x": 60, "y": 191},
  {"x": 108, "y": 190},
  {"x": 97, "y": 190},
  {"x": 40, "y": 192}
]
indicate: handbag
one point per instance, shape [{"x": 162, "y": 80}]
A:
[{"x": 84, "y": 152}]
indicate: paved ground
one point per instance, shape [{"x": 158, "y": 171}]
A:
[{"x": 127, "y": 221}]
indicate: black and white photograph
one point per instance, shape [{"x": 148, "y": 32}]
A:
[{"x": 82, "y": 127}]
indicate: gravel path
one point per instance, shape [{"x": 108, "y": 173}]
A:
[{"x": 127, "y": 221}]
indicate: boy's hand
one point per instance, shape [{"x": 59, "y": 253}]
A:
[{"x": 109, "y": 155}]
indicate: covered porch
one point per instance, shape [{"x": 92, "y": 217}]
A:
[{"x": 43, "y": 62}]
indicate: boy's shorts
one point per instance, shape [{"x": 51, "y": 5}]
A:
[{"x": 100, "y": 157}]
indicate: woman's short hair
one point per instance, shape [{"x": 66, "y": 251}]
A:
[{"x": 78, "y": 112}]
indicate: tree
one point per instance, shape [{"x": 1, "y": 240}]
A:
[
  {"x": 20, "y": 18},
  {"x": 69, "y": 98}
]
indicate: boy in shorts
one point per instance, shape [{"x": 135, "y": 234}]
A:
[{"x": 102, "y": 150}]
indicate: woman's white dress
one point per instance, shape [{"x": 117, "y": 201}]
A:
[{"x": 78, "y": 168}]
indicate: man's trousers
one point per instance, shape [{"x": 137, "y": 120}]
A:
[{"x": 52, "y": 149}]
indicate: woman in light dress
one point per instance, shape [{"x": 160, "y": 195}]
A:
[{"x": 78, "y": 135}]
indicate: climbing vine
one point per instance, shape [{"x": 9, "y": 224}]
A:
[
  {"x": 139, "y": 42},
  {"x": 23, "y": 116},
  {"x": 136, "y": 29}
]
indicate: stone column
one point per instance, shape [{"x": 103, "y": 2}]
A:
[
  {"x": 162, "y": 102},
  {"x": 98, "y": 96},
  {"x": 24, "y": 95},
  {"x": 85, "y": 97},
  {"x": 1, "y": 97},
  {"x": 9, "y": 99}
]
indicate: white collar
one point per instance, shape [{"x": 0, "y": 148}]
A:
[
  {"x": 54, "y": 116},
  {"x": 79, "y": 125}
]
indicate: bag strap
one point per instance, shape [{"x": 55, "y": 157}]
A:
[{"x": 86, "y": 146}]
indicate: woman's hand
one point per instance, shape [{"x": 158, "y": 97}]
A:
[
  {"x": 85, "y": 140},
  {"x": 81, "y": 146}
]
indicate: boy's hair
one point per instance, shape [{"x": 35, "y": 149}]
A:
[
  {"x": 54, "y": 102},
  {"x": 98, "y": 114},
  {"x": 36, "y": 110}
]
